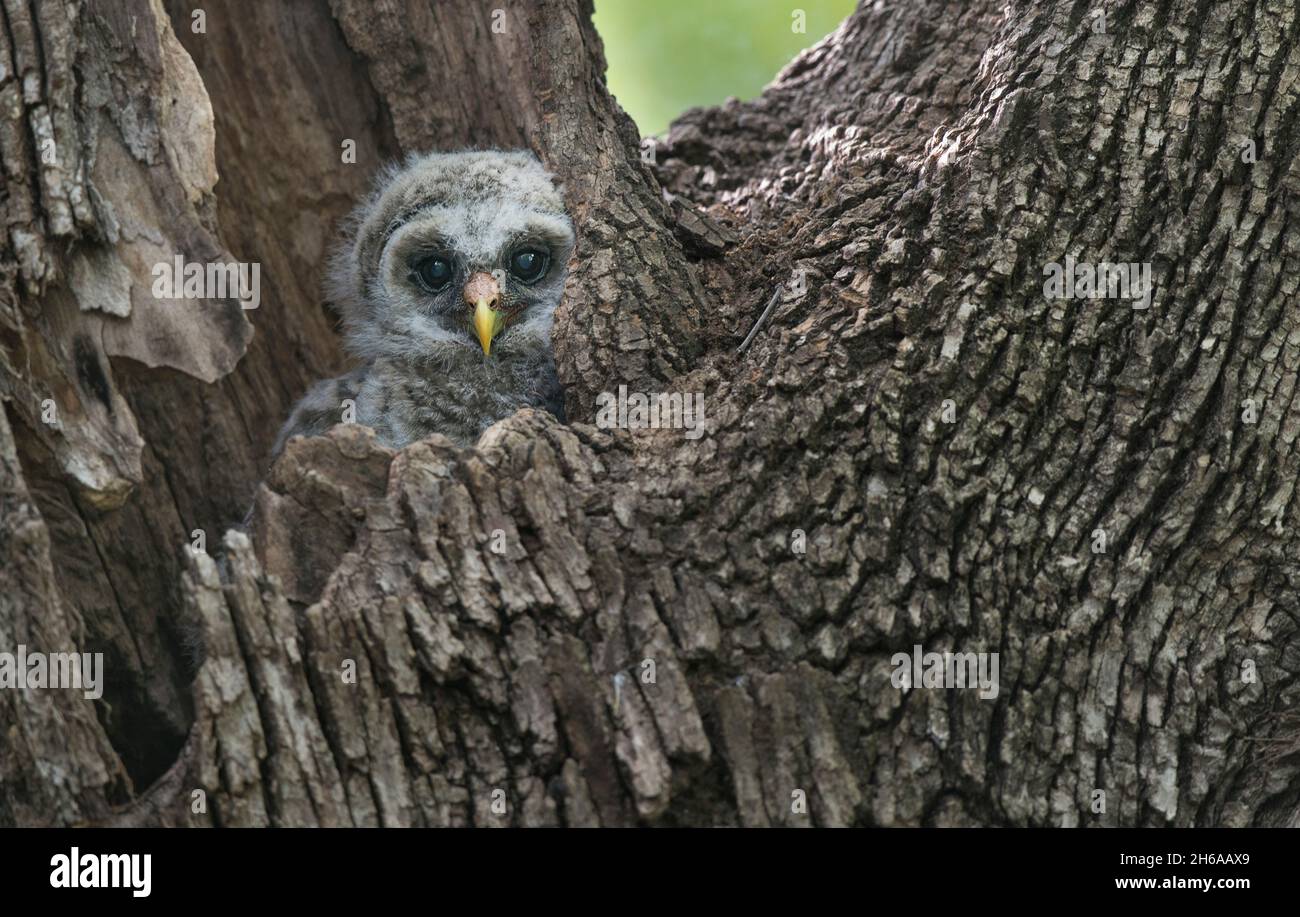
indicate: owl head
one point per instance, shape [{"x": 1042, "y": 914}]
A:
[{"x": 454, "y": 250}]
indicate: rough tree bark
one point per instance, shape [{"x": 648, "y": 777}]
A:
[{"x": 918, "y": 168}]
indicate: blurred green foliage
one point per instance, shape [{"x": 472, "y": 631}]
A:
[{"x": 666, "y": 56}]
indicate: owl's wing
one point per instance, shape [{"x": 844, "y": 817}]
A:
[
  {"x": 321, "y": 408},
  {"x": 550, "y": 392}
]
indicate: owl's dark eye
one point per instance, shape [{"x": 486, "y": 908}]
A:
[
  {"x": 433, "y": 273},
  {"x": 528, "y": 264}
]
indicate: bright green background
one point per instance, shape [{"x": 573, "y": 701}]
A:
[{"x": 666, "y": 56}]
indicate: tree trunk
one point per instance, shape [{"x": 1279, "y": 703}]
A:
[{"x": 573, "y": 625}]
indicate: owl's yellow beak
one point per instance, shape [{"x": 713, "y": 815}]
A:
[
  {"x": 482, "y": 292},
  {"x": 487, "y": 322}
]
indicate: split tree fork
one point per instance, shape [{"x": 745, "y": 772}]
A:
[{"x": 918, "y": 169}]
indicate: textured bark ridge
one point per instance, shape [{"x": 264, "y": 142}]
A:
[{"x": 579, "y": 626}]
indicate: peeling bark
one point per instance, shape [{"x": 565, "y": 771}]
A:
[{"x": 445, "y": 636}]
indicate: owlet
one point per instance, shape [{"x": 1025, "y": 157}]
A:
[{"x": 447, "y": 281}]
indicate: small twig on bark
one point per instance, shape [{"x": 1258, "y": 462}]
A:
[{"x": 771, "y": 304}]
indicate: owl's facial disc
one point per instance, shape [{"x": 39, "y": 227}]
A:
[{"x": 482, "y": 292}]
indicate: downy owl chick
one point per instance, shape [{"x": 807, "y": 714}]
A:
[{"x": 447, "y": 281}]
